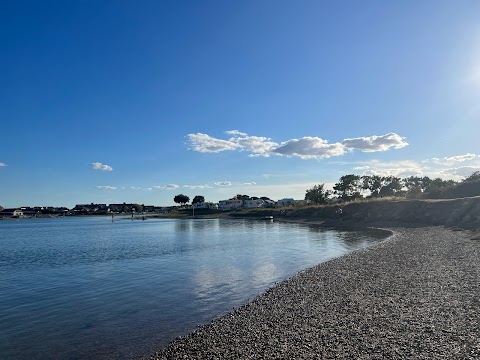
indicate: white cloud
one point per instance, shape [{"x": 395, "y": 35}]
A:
[
  {"x": 310, "y": 148},
  {"x": 455, "y": 159},
  {"x": 223, "y": 183},
  {"x": 250, "y": 183},
  {"x": 100, "y": 166},
  {"x": 106, "y": 187},
  {"x": 167, "y": 187},
  {"x": 376, "y": 143},
  {"x": 197, "y": 186},
  {"x": 398, "y": 172},
  {"x": 401, "y": 169},
  {"x": 433, "y": 168},
  {"x": 2, "y": 164},
  {"x": 257, "y": 145},
  {"x": 235, "y": 132},
  {"x": 305, "y": 148},
  {"x": 461, "y": 171},
  {"x": 206, "y": 144}
]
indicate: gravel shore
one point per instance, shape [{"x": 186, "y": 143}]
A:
[{"x": 413, "y": 296}]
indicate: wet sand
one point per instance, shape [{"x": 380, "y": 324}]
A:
[{"x": 415, "y": 295}]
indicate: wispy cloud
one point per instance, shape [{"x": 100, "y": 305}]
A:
[
  {"x": 461, "y": 171},
  {"x": 305, "y": 148},
  {"x": 250, "y": 183},
  {"x": 434, "y": 167},
  {"x": 166, "y": 187},
  {"x": 454, "y": 159},
  {"x": 206, "y": 144},
  {"x": 402, "y": 169},
  {"x": 223, "y": 183},
  {"x": 197, "y": 186},
  {"x": 2, "y": 164},
  {"x": 100, "y": 166},
  {"x": 309, "y": 148},
  {"x": 103, "y": 187},
  {"x": 376, "y": 143},
  {"x": 235, "y": 132}
]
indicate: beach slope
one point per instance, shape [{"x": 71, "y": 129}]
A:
[{"x": 415, "y": 295}]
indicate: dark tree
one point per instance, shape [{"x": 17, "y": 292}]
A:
[
  {"x": 438, "y": 184},
  {"x": 474, "y": 177},
  {"x": 348, "y": 187},
  {"x": 391, "y": 186},
  {"x": 137, "y": 207},
  {"x": 372, "y": 183},
  {"x": 242, "y": 197},
  {"x": 414, "y": 186},
  {"x": 181, "y": 199},
  {"x": 198, "y": 199},
  {"x": 317, "y": 194}
]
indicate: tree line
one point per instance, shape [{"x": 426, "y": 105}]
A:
[
  {"x": 184, "y": 199},
  {"x": 353, "y": 187}
]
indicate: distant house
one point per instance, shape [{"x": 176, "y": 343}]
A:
[
  {"x": 250, "y": 204},
  {"x": 29, "y": 211},
  {"x": 269, "y": 203},
  {"x": 230, "y": 204},
  {"x": 89, "y": 209},
  {"x": 205, "y": 205},
  {"x": 125, "y": 208},
  {"x": 148, "y": 208},
  {"x": 11, "y": 213},
  {"x": 286, "y": 202}
]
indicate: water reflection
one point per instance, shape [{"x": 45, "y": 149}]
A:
[{"x": 73, "y": 288}]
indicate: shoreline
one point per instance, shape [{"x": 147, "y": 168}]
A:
[{"x": 413, "y": 295}]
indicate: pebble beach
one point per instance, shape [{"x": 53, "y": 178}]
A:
[{"x": 414, "y": 295}]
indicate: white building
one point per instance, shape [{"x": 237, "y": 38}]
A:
[
  {"x": 286, "y": 202},
  {"x": 205, "y": 205},
  {"x": 250, "y": 204},
  {"x": 230, "y": 204},
  {"x": 269, "y": 203}
]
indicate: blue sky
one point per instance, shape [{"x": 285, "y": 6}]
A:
[{"x": 128, "y": 101}]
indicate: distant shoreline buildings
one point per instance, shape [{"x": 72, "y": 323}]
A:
[{"x": 124, "y": 208}]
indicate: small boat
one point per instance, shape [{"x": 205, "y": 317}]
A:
[{"x": 267, "y": 218}]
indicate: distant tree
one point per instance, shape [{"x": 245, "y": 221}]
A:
[
  {"x": 415, "y": 186},
  {"x": 137, "y": 207},
  {"x": 198, "y": 199},
  {"x": 317, "y": 194},
  {"x": 372, "y": 183},
  {"x": 348, "y": 187},
  {"x": 413, "y": 182},
  {"x": 474, "y": 177},
  {"x": 391, "y": 186},
  {"x": 437, "y": 188},
  {"x": 438, "y": 183},
  {"x": 265, "y": 198},
  {"x": 242, "y": 197},
  {"x": 181, "y": 199}
]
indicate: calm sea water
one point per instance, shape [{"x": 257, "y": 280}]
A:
[{"x": 81, "y": 288}]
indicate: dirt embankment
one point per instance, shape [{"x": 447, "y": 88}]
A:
[{"x": 461, "y": 213}]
